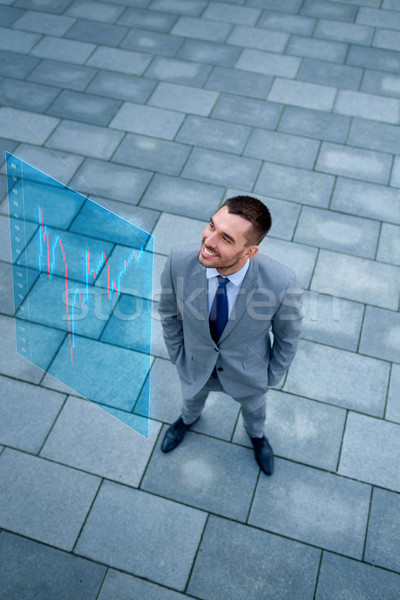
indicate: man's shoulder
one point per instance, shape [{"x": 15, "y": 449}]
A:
[
  {"x": 271, "y": 270},
  {"x": 185, "y": 256}
]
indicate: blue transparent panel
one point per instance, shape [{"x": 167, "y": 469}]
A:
[{"x": 82, "y": 285}]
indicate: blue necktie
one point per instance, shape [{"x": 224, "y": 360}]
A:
[{"x": 219, "y": 310}]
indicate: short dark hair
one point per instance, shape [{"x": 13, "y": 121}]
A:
[{"x": 254, "y": 211}]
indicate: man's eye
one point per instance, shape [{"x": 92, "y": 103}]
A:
[
  {"x": 225, "y": 239},
  {"x": 211, "y": 225}
]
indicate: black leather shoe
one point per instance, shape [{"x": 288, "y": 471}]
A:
[
  {"x": 175, "y": 434},
  {"x": 264, "y": 454}
]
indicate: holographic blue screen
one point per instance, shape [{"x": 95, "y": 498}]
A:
[{"x": 82, "y": 279}]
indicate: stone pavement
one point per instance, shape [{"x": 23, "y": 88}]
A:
[{"x": 159, "y": 109}]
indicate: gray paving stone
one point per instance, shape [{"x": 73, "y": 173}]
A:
[
  {"x": 116, "y": 59},
  {"x": 367, "y": 200},
  {"x": 16, "y": 65},
  {"x": 124, "y": 87},
  {"x": 182, "y": 196},
  {"x": 393, "y": 405},
  {"x": 379, "y": 18},
  {"x": 14, "y": 365},
  {"x": 339, "y": 377},
  {"x": 375, "y": 136},
  {"x": 25, "y": 95},
  {"x": 296, "y": 185},
  {"x": 307, "y": 95},
  {"x": 367, "y": 165},
  {"x": 43, "y": 23},
  {"x": 283, "y": 22},
  {"x": 282, "y": 148},
  {"x": 316, "y": 124},
  {"x": 33, "y": 487},
  {"x": 14, "y": 40},
  {"x": 383, "y": 84},
  {"x": 268, "y": 63},
  {"x": 389, "y": 244},
  {"x": 235, "y": 81},
  {"x": 138, "y": 545},
  {"x": 314, "y": 48},
  {"x": 300, "y": 429},
  {"x": 212, "y": 31},
  {"x": 341, "y": 578},
  {"x": 87, "y": 437},
  {"x": 221, "y": 168},
  {"x": 286, "y": 6},
  {"x": 192, "y": 474},
  {"x": 98, "y": 142},
  {"x": 390, "y": 4},
  {"x": 62, "y": 49},
  {"x": 59, "y": 165},
  {"x": 27, "y": 414},
  {"x": 380, "y": 335},
  {"x": 96, "y": 32},
  {"x": 395, "y": 179},
  {"x": 32, "y": 570},
  {"x": 217, "y": 135},
  {"x": 329, "y": 10},
  {"x": 178, "y": 71},
  {"x": 147, "y": 120},
  {"x": 209, "y": 52},
  {"x": 153, "y": 154},
  {"x": 62, "y": 75},
  {"x": 86, "y": 9},
  {"x": 335, "y": 231},
  {"x": 192, "y": 8},
  {"x": 152, "y": 42},
  {"x": 387, "y": 38},
  {"x": 9, "y": 15},
  {"x": 52, "y": 6},
  {"x": 252, "y": 37},
  {"x": 367, "y": 106},
  {"x": 147, "y": 19},
  {"x": 341, "y": 76},
  {"x": 331, "y": 320},
  {"x": 183, "y": 98},
  {"x": 84, "y": 107},
  {"x": 127, "y": 587},
  {"x": 6, "y": 146},
  {"x": 357, "y": 279},
  {"x": 185, "y": 230},
  {"x": 161, "y": 398},
  {"x": 299, "y": 258},
  {"x": 344, "y": 32},
  {"x": 242, "y": 15},
  {"x": 291, "y": 567},
  {"x": 111, "y": 181},
  {"x": 374, "y": 58},
  {"x": 371, "y": 462},
  {"x": 314, "y": 507}
]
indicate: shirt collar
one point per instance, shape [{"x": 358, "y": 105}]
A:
[{"x": 235, "y": 278}]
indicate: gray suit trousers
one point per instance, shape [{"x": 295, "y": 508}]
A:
[{"x": 253, "y": 407}]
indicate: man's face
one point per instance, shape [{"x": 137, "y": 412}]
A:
[{"x": 225, "y": 244}]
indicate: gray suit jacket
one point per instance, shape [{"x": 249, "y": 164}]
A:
[{"x": 269, "y": 301}]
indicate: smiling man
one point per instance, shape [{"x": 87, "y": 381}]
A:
[{"x": 218, "y": 306}]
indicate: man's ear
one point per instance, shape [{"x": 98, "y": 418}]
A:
[{"x": 251, "y": 251}]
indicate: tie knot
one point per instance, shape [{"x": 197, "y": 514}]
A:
[{"x": 222, "y": 281}]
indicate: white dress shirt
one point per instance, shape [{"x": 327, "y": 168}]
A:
[{"x": 232, "y": 287}]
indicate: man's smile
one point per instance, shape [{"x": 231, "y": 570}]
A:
[{"x": 207, "y": 253}]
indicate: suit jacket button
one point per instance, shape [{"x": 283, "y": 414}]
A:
[{"x": 220, "y": 369}]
